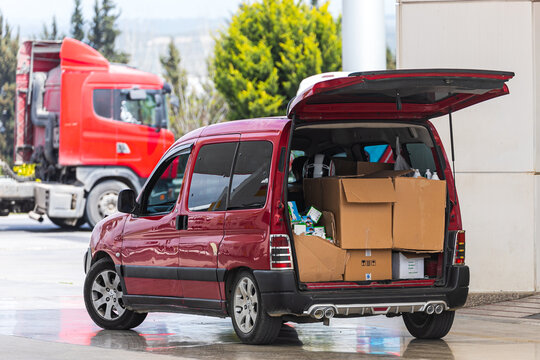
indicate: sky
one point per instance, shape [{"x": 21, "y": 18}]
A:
[{"x": 17, "y": 11}]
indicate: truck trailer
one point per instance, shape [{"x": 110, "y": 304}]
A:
[{"x": 92, "y": 128}]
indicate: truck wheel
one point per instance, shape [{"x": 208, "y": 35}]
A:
[
  {"x": 102, "y": 200},
  {"x": 67, "y": 223},
  {"x": 424, "y": 326},
  {"x": 250, "y": 321},
  {"x": 103, "y": 298}
]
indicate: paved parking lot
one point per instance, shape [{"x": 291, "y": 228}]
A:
[{"x": 42, "y": 316}]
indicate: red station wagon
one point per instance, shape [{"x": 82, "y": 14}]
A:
[{"x": 211, "y": 232}]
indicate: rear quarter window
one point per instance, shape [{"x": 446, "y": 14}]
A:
[{"x": 251, "y": 175}]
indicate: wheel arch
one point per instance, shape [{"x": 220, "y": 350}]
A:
[
  {"x": 228, "y": 279},
  {"x": 92, "y": 176},
  {"x": 101, "y": 254}
]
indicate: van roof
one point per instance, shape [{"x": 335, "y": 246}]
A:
[{"x": 268, "y": 124}]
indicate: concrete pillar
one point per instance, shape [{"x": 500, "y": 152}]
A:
[
  {"x": 496, "y": 142},
  {"x": 364, "y": 35}
]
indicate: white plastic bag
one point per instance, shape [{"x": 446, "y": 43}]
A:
[{"x": 401, "y": 163}]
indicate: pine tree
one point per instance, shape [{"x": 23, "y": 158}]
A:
[
  {"x": 52, "y": 34},
  {"x": 104, "y": 31},
  {"x": 268, "y": 48},
  {"x": 8, "y": 53},
  {"x": 77, "y": 22},
  {"x": 196, "y": 108},
  {"x": 173, "y": 72},
  {"x": 95, "y": 35}
]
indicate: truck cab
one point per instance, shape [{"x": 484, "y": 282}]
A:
[{"x": 92, "y": 128}]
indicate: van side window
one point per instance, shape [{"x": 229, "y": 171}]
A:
[
  {"x": 251, "y": 175},
  {"x": 210, "y": 179},
  {"x": 421, "y": 157},
  {"x": 166, "y": 187}
]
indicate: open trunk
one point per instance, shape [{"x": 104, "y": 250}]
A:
[
  {"x": 388, "y": 228},
  {"x": 367, "y": 237}
]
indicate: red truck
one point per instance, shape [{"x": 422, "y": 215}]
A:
[{"x": 91, "y": 127}]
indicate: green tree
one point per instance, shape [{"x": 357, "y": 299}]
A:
[
  {"x": 196, "y": 107},
  {"x": 268, "y": 48},
  {"x": 9, "y": 45},
  {"x": 173, "y": 72},
  {"x": 52, "y": 34},
  {"x": 390, "y": 59},
  {"x": 104, "y": 31},
  {"x": 77, "y": 22}
]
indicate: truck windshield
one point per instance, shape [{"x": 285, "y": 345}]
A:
[{"x": 117, "y": 105}]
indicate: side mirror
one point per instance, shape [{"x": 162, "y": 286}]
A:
[{"x": 127, "y": 202}]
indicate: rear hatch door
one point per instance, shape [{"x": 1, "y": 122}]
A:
[{"x": 397, "y": 94}]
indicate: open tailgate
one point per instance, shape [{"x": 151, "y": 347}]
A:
[{"x": 397, "y": 94}]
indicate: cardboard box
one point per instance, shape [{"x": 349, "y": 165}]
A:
[
  {"x": 419, "y": 214},
  {"x": 362, "y": 209},
  {"x": 347, "y": 167},
  {"x": 365, "y": 265},
  {"x": 407, "y": 266},
  {"x": 327, "y": 220},
  {"x": 318, "y": 259}
]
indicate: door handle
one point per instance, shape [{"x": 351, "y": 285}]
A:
[{"x": 181, "y": 222}]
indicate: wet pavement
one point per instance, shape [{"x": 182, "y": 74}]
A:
[{"x": 42, "y": 316}]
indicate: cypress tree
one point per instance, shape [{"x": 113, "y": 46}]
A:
[
  {"x": 77, "y": 22},
  {"x": 9, "y": 45}
]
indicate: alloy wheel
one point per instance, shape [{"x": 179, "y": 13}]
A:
[
  {"x": 107, "y": 295},
  {"x": 245, "y": 304}
]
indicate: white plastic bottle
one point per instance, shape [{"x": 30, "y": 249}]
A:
[
  {"x": 428, "y": 174},
  {"x": 435, "y": 176},
  {"x": 416, "y": 173}
]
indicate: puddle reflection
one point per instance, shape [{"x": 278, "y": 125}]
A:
[{"x": 202, "y": 337}]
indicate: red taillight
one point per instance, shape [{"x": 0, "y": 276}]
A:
[
  {"x": 280, "y": 252},
  {"x": 459, "y": 249}
]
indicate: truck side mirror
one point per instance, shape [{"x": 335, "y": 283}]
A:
[{"x": 127, "y": 202}]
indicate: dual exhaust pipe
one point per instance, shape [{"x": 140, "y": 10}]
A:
[
  {"x": 434, "y": 308},
  {"x": 322, "y": 312},
  {"x": 326, "y": 312}
]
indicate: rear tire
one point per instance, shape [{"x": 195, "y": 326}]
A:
[
  {"x": 250, "y": 321},
  {"x": 424, "y": 326},
  {"x": 102, "y": 200},
  {"x": 103, "y": 298}
]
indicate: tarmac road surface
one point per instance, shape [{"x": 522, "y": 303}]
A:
[{"x": 42, "y": 316}]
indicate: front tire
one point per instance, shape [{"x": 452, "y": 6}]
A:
[
  {"x": 103, "y": 298},
  {"x": 250, "y": 321},
  {"x": 424, "y": 326},
  {"x": 102, "y": 200}
]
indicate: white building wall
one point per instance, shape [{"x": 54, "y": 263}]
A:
[{"x": 495, "y": 141}]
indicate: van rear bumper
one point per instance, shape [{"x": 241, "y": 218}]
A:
[{"x": 280, "y": 294}]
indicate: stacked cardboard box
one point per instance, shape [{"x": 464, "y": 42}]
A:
[{"x": 377, "y": 211}]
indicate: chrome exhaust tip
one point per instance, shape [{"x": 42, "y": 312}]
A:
[
  {"x": 430, "y": 309},
  {"x": 439, "y": 309},
  {"x": 318, "y": 313},
  {"x": 329, "y": 313}
]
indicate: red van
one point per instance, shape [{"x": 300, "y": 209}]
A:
[{"x": 211, "y": 232}]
